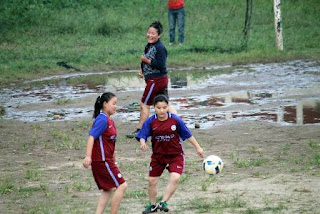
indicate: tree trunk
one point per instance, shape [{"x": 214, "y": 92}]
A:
[
  {"x": 247, "y": 22},
  {"x": 278, "y": 24}
]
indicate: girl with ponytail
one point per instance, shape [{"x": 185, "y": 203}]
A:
[{"x": 100, "y": 153}]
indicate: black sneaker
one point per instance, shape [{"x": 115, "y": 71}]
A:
[
  {"x": 151, "y": 208},
  {"x": 163, "y": 206},
  {"x": 133, "y": 134}
]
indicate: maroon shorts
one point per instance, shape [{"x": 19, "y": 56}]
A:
[
  {"x": 174, "y": 163},
  {"x": 154, "y": 87},
  {"x": 106, "y": 174}
]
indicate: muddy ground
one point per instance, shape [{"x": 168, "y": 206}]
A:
[{"x": 269, "y": 166}]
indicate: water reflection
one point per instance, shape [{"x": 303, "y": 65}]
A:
[
  {"x": 209, "y": 96},
  {"x": 305, "y": 112}
]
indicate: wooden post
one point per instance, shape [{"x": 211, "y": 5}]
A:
[{"x": 278, "y": 24}]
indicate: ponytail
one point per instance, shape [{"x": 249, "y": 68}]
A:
[{"x": 105, "y": 97}]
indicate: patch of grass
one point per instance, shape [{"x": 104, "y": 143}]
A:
[
  {"x": 252, "y": 211},
  {"x": 82, "y": 125},
  {"x": 214, "y": 205},
  {"x": 136, "y": 194},
  {"x": 205, "y": 184},
  {"x": 275, "y": 209},
  {"x": 33, "y": 174},
  {"x": 2, "y": 111},
  {"x": 242, "y": 163},
  {"x": 65, "y": 140},
  {"x": 38, "y": 207},
  {"x": 63, "y": 101},
  {"x": 81, "y": 187},
  {"x": 315, "y": 151},
  {"x": 29, "y": 190},
  {"x": 184, "y": 178},
  {"x": 6, "y": 186}
]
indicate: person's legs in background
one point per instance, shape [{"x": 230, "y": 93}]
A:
[
  {"x": 172, "y": 25},
  {"x": 181, "y": 24}
]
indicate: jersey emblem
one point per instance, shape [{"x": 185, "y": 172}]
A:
[
  {"x": 150, "y": 168},
  {"x": 173, "y": 127},
  {"x": 119, "y": 175}
]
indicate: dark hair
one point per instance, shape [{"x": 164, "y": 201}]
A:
[
  {"x": 105, "y": 97},
  {"x": 158, "y": 26},
  {"x": 160, "y": 98}
]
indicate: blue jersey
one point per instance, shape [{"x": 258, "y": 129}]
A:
[{"x": 166, "y": 136}]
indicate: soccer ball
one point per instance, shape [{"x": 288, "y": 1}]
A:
[{"x": 212, "y": 165}]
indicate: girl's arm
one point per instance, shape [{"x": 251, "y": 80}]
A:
[
  {"x": 87, "y": 160},
  {"x": 145, "y": 60},
  {"x": 194, "y": 142}
]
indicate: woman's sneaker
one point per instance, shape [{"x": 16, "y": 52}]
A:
[
  {"x": 163, "y": 206},
  {"x": 151, "y": 208},
  {"x": 133, "y": 134}
]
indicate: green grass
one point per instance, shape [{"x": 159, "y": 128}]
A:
[
  {"x": 100, "y": 35},
  {"x": 6, "y": 186},
  {"x": 65, "y": 140},
  {"x": 33, "y": 174},
  {"x": 215, "y": 205},
  {"x": 136, "y": 194}
]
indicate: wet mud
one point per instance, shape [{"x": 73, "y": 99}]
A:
[{"x": 285, "y": 93}]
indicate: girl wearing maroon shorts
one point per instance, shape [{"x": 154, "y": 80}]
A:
[
  {"x": 167, "y": 132},
  {"x": 154, "y": 71},
  {"x": 100, "y": 154}
]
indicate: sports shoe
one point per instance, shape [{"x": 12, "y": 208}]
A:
[
  {"x": 151, "y": 208},
  {"x": 163, "y": 206},
  {"x": 133, "y": 134}
]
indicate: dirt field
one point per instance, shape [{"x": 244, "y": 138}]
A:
[{"x": 269, "y": 167}]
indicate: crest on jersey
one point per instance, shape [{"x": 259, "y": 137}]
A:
[
  {"x": 119, "y": 175},
  {"x": 173, "y": 127}
]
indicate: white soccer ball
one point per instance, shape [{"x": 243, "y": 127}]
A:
[{"x": 212, "y": 165}]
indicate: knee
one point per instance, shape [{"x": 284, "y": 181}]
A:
[
  {"x": 175, "y": 180},
  {"x": 124, "y": 186},
  {"x": 152, "y": 182}
]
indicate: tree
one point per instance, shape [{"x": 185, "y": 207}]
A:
[{"x": 278, "y": 24}]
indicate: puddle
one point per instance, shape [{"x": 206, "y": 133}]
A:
[{"x": 284, "y": 93}]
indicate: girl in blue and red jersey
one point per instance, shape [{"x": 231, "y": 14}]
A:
[
  {"x": 167, "y": 131},
  {"x": 100, "y": 153},
  {"x": 154, "y": 71}
]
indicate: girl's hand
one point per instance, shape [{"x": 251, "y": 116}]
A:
[
  {"x": 87, "y": 162},
  {"x": 140, "y": 74},
  {"x": 143, "y": 146},
  {"x": 145, "y": 60},
  {"x": 200, "y": 152}
]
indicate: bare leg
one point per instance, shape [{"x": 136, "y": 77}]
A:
[
  {"x": 144, "y": 114},
  {"x": 172, "y": 186},
  {"x": 103, "y": 200},
  {"x": 117, "y": 197},
  {"x": 152, "y": 190}
]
